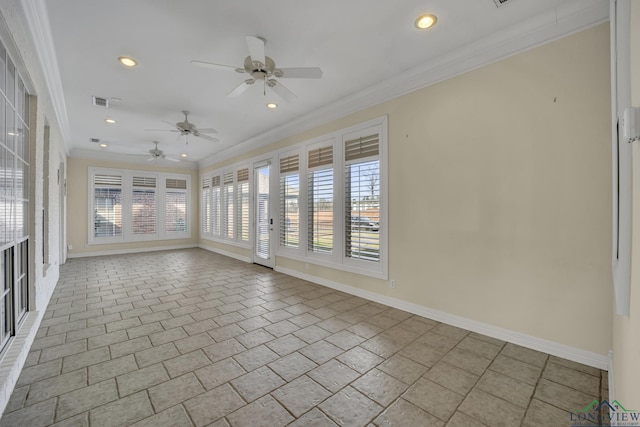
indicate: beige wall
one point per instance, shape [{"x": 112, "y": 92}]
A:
[
  {"x": 77, "y": 217},
  {"x": 500, "y": 194},
  {"x": 626, "y": 329}
]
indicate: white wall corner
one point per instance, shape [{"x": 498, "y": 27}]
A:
[{"x": 612, "y": 388}]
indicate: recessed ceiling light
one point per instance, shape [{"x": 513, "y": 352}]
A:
[
  {"x": 110, "y": 121},
  {"x": 425, "y": 21},
  {"x": 127, "y": 61},
  {"x": 272, "y": 105},
  {"x": 103, "y": 145},
  {"x": 183, "y": 155}
]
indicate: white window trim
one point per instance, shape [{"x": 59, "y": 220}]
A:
[
  {"x": 127, "y": 187},
  {"x": 338, "y": 260},
  {"x": 222, "y": 238},
  {"x": 302, "y": 210}
]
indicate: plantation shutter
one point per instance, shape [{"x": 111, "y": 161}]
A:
[
  {"x": 362, "y": 198},
  {"x": 289, "y": 201},
  {"x": 243, "y": 204},
  {"x": 107, "y": 206},
  {"x": 144, "y": 217},
  {"x": 320, "y": 200}
]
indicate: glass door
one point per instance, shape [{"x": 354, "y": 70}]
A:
[{"x": 262, "y": 253}]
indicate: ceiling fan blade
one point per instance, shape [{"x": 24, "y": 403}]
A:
[
  {"x": 151, "y": 159},
  {"x": 301, "y": 73},
  {"x": 162, "y": 130},
  {"x": 256, "y": 49},
  {"x": 240, "y": 88},
  {"x": 282, "y": 90},
  {"x": 171, "y": 159},
  {"x": 208, "y": 138},
  {"x": 207, "y": 130},
  {"x": 213, "y": 66}
]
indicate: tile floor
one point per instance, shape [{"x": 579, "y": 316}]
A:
[{"x": 188, "y": 337}]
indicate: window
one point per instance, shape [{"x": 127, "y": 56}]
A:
[
  {"x": 205, "y": 202},
  {"x": 229, "y": 217},
  {"x": 14, "y": 198},
  {"x": 320, "y": 199},
  {"x": 242, "y": 186},
  {"x": 362, "y": 198},
  {"x": 107, "y": 206},
  {"x": 129, "y": 206},
  {"x": 289, "y": 201},
  {"x": 176, "y": 206},
  {"x": 216, "y": 210},
  {"x": 144, "y": 206}
]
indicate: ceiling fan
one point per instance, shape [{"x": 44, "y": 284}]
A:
[
  {"x": 156, "y": 153},
  {"x": 261, "y": 67},
  {"x": 187, "y": 128}
]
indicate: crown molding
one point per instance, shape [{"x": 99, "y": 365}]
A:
[
  {"x": 35, "y": 12},
  {"x": 132, "y": 159},
  {"x": 561, "y": 22}
]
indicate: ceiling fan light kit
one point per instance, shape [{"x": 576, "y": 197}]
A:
[{"x": 261, "y": 67}]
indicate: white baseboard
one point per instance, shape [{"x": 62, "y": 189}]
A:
[
  {"x": 225, "y": 253},
  {"x": 560, "y": 350},
  {"x": 131, "y": 251},
  {"x": 612, "y": 388}
]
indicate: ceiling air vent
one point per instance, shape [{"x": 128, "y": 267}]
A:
[
  {"x": 500, "y": 2},
  {"x": 100, "y": 102},
  {"x": 96, "y": 140}
]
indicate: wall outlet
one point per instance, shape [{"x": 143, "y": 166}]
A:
[
  {"x": 392, "y": 284},
  {"x": 70, "y": 247}
]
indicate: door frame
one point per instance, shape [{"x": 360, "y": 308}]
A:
[{"x": 272, "y": 206}]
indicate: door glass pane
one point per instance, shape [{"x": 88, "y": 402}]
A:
[{"x": 262, "y": 212}]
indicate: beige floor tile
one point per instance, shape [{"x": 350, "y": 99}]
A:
[
  {"x": 360, "y": 359},
  {"x": 286, "y": 344},
  {"x": 402, "y": 413},
  {"x": 202, "y": 412},
  {"x": 471, "y": 362},
  {"x": 255, "y": 357},
  {"x": 506, "y": 388},
  {"x": 321, "y": 351},
  {"x": 55, "y": 386},
  {"x": 223, "y": 349},
  {"x": 40, "y": 414},
  {"x": 313, "y": 418},
  {"x": 86, "y": 398},
  {"x": 379, "y": 386},
  {"x": 402, "y": 368},
  {"x": 186, "y": 363},
  {"x": 292, "y": 366},
  {"x": 156, "y": 354},
  {"x": 121, "y": 412},
  {"x": 256, "y": 384},
  {"x": 40, "y": 372},
  {"x": 516, "y": 369},
  {"x": 215, "y": 375},
  {"x": 141, "y": 379},
  {"x": 112, "y": 368},
  {"x": 172, "y": 392},
  {"x": 349, "y": 407},
  {"x": 571, "y": 378},
  {"x": 525, "y": 355},
  {"x": 491, "y": 410},
  {"x": 480, "y": 347},
  {"x": 333, "y": 375},
  {"x": 266, "y": 409},
  {"x": 460, "y": 419},
  {"x": 453, "y": 378},
  {"x": 301, "y": 395},
  {"x": 433, "y": 398},
  {"x": 562, "y": 396},
  {"x": 541, "y": 414}
]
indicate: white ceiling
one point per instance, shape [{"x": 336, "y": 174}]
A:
[{"x": 368, "y": 51}]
